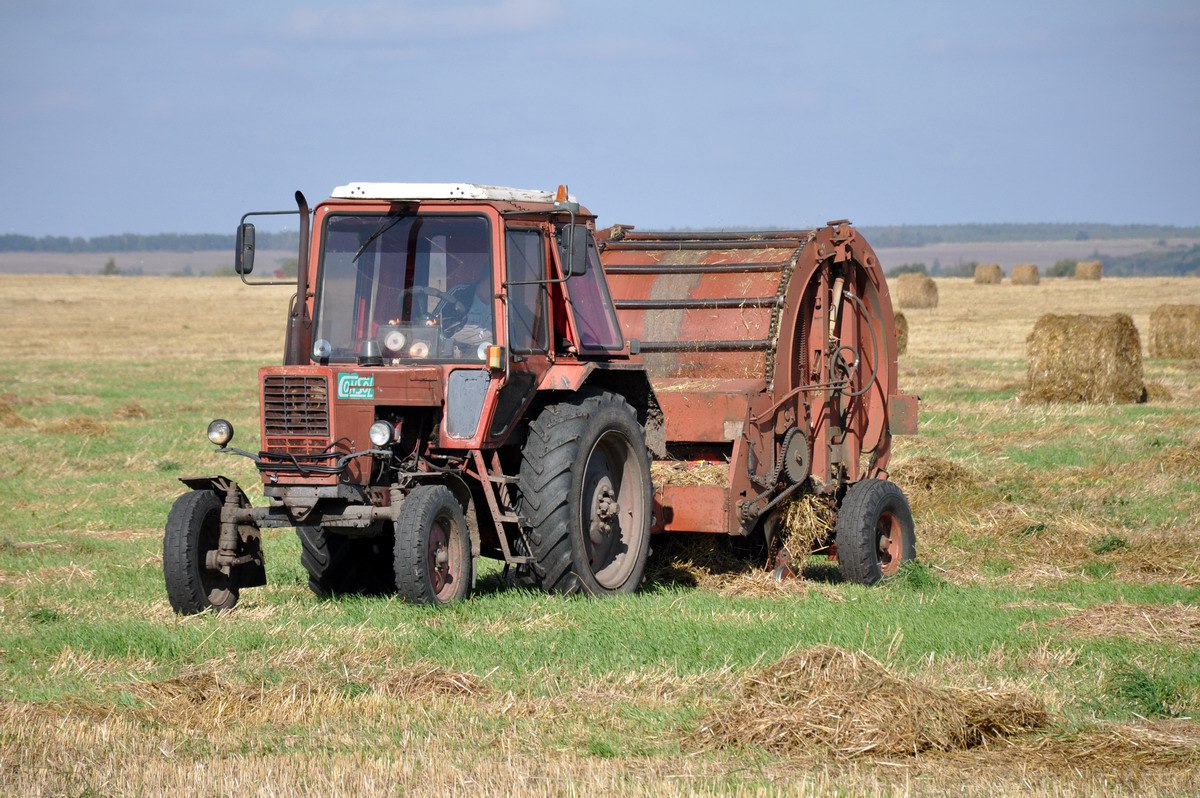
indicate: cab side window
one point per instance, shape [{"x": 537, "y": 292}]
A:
[{"x": 525, "y": 253}]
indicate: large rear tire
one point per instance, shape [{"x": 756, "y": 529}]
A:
[
  {"x": 585, "y": 496},
  {"x": 433, "y": 562},
  {"x": 193, "y": 530},
  {"x": 875, "y": 532},
  {"x": 340, "y": 565}
]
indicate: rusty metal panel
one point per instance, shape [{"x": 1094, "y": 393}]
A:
[
  {"x": 691, "y": 508},
  {"x": 902, "y": 414},
  {"x": 700, "y": 310},
  {"x": 703, "y": 415}
]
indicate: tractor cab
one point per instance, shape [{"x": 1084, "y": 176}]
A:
[{"x": 431, "y": 307}]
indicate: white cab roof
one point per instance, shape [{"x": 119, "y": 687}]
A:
[{"x": 440, "y": 191}]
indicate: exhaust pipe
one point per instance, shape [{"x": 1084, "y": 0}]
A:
[{"x": 299, "y": 333}]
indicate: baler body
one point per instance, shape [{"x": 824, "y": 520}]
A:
[{"x": 771, "y": 351}]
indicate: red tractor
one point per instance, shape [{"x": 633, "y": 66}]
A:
[{"x": 458, "y": 382}]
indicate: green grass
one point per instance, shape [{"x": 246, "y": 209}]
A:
[{"x": 1068, "y": 511}]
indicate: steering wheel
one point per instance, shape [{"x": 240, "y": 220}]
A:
[{"x": 444, "y": 298}]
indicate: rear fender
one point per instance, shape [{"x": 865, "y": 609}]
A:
[{"x": 635, "y": 387}]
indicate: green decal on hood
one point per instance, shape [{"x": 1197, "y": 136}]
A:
[{"x": 352, "y": 386}]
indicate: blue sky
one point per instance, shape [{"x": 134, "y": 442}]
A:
[{"x": 149, "y": 116}]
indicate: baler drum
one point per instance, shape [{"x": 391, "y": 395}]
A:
[{"x": 772, "y": 350}]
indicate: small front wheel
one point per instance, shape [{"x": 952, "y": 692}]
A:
[
  {"x": 193, "y": 530},
  {"x": 875, "y": 531},
  {"x": 433, "y": 560}
]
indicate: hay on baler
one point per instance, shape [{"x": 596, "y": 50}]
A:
[
  {"x": 916, "y": 291},
  {"x": 689, "y": 472},
  {"x": 1081, "y": 358},
  {"x": 808, "y": 525},
  {"x": 827, "y": 700},
  {"x": 901, "y": 334},
  {"x": 989, "y": 274},
  {"x": 1175, "y": 331},
  {"x": 1089, "y": 270},
  {"x": 1026, "y": 274}
]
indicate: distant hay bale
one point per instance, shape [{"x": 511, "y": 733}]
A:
[
  {"x": 916, "y": 291},
  {"x": 827, "y": 701},
  {"x": 901, "y": 334},
  {"x": 1089, "y": 270},
  {"x": 1095, "y": 359},
  {"x": 1175, "y": 331},
  {"x": 989, "y": 274},
  {"x": 1026, "y": 274},
  {"x": 1157, "y": 392}
]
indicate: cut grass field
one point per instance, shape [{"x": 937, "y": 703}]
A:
[{"x": 1057, "y": 589}]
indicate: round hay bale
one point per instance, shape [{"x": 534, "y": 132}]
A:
[
  {"x": 1026, "y": 274},
  {"x": 1175, "y": 331},
  {"x": 1089, "y": 270},
  {"x": 901, "y": 334},
  {"x": 1094, "y": 359},
  {"x": 989, "y": 274},
  {"x": 916, "y": 291}
]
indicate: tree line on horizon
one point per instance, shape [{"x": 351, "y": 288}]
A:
[
  {"x": 878, "y": 235},
  {"x": 134, "y": 242},
  {"x": 1180, "y": 262}
]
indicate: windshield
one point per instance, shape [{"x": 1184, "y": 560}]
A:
[{"x": 419, "y": 287}]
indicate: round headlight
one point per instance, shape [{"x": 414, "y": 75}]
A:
[
  {"x": 481, "y": 352},
  {"x": 419, "y": 349},
  {"x": 322, "y": 349},
  {"x": 394, "y": 341},
  {"x": 220, "y": 432},
  {"x": 381, "y": 433}
]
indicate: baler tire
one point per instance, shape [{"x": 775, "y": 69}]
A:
[
  {"x": 875, "y": 532},
  {"x": 558, "y": 466},
  {"x": 431, "y": 513},
  {"x": 193, "y": 529},
  {"x": 340, "y": 565}
]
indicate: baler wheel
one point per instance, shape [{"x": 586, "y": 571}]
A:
[
  {"x": 585, "y": 493},
  {"x": 337, "y": 564},
  {"x": 433, "y": 547},
  {"x": 875, "y": 531},
  {"x": 193, "y": 530}
]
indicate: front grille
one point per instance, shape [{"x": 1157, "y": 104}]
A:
[{"x": 295, "y": 414}]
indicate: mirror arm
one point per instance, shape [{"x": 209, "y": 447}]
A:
[{"x": 269, "y": 213}]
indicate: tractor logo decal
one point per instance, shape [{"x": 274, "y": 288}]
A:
[{"x": 352, "y": 386}]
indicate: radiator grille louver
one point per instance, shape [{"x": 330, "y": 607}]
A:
[{"x": 295, "y": 414}]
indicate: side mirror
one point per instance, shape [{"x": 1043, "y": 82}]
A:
[
  {"x": 244, "y": 257},
  {"x": 574, "y": 249}
]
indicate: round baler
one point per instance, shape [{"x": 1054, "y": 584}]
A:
[{"x": 773, "y": 352}]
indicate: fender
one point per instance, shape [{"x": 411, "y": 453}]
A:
[
  {"x": 238, "y": 537},
  {"x": 219, "y": 484}
]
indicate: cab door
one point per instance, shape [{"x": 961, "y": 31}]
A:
[{"x": 527, "y": 316}]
